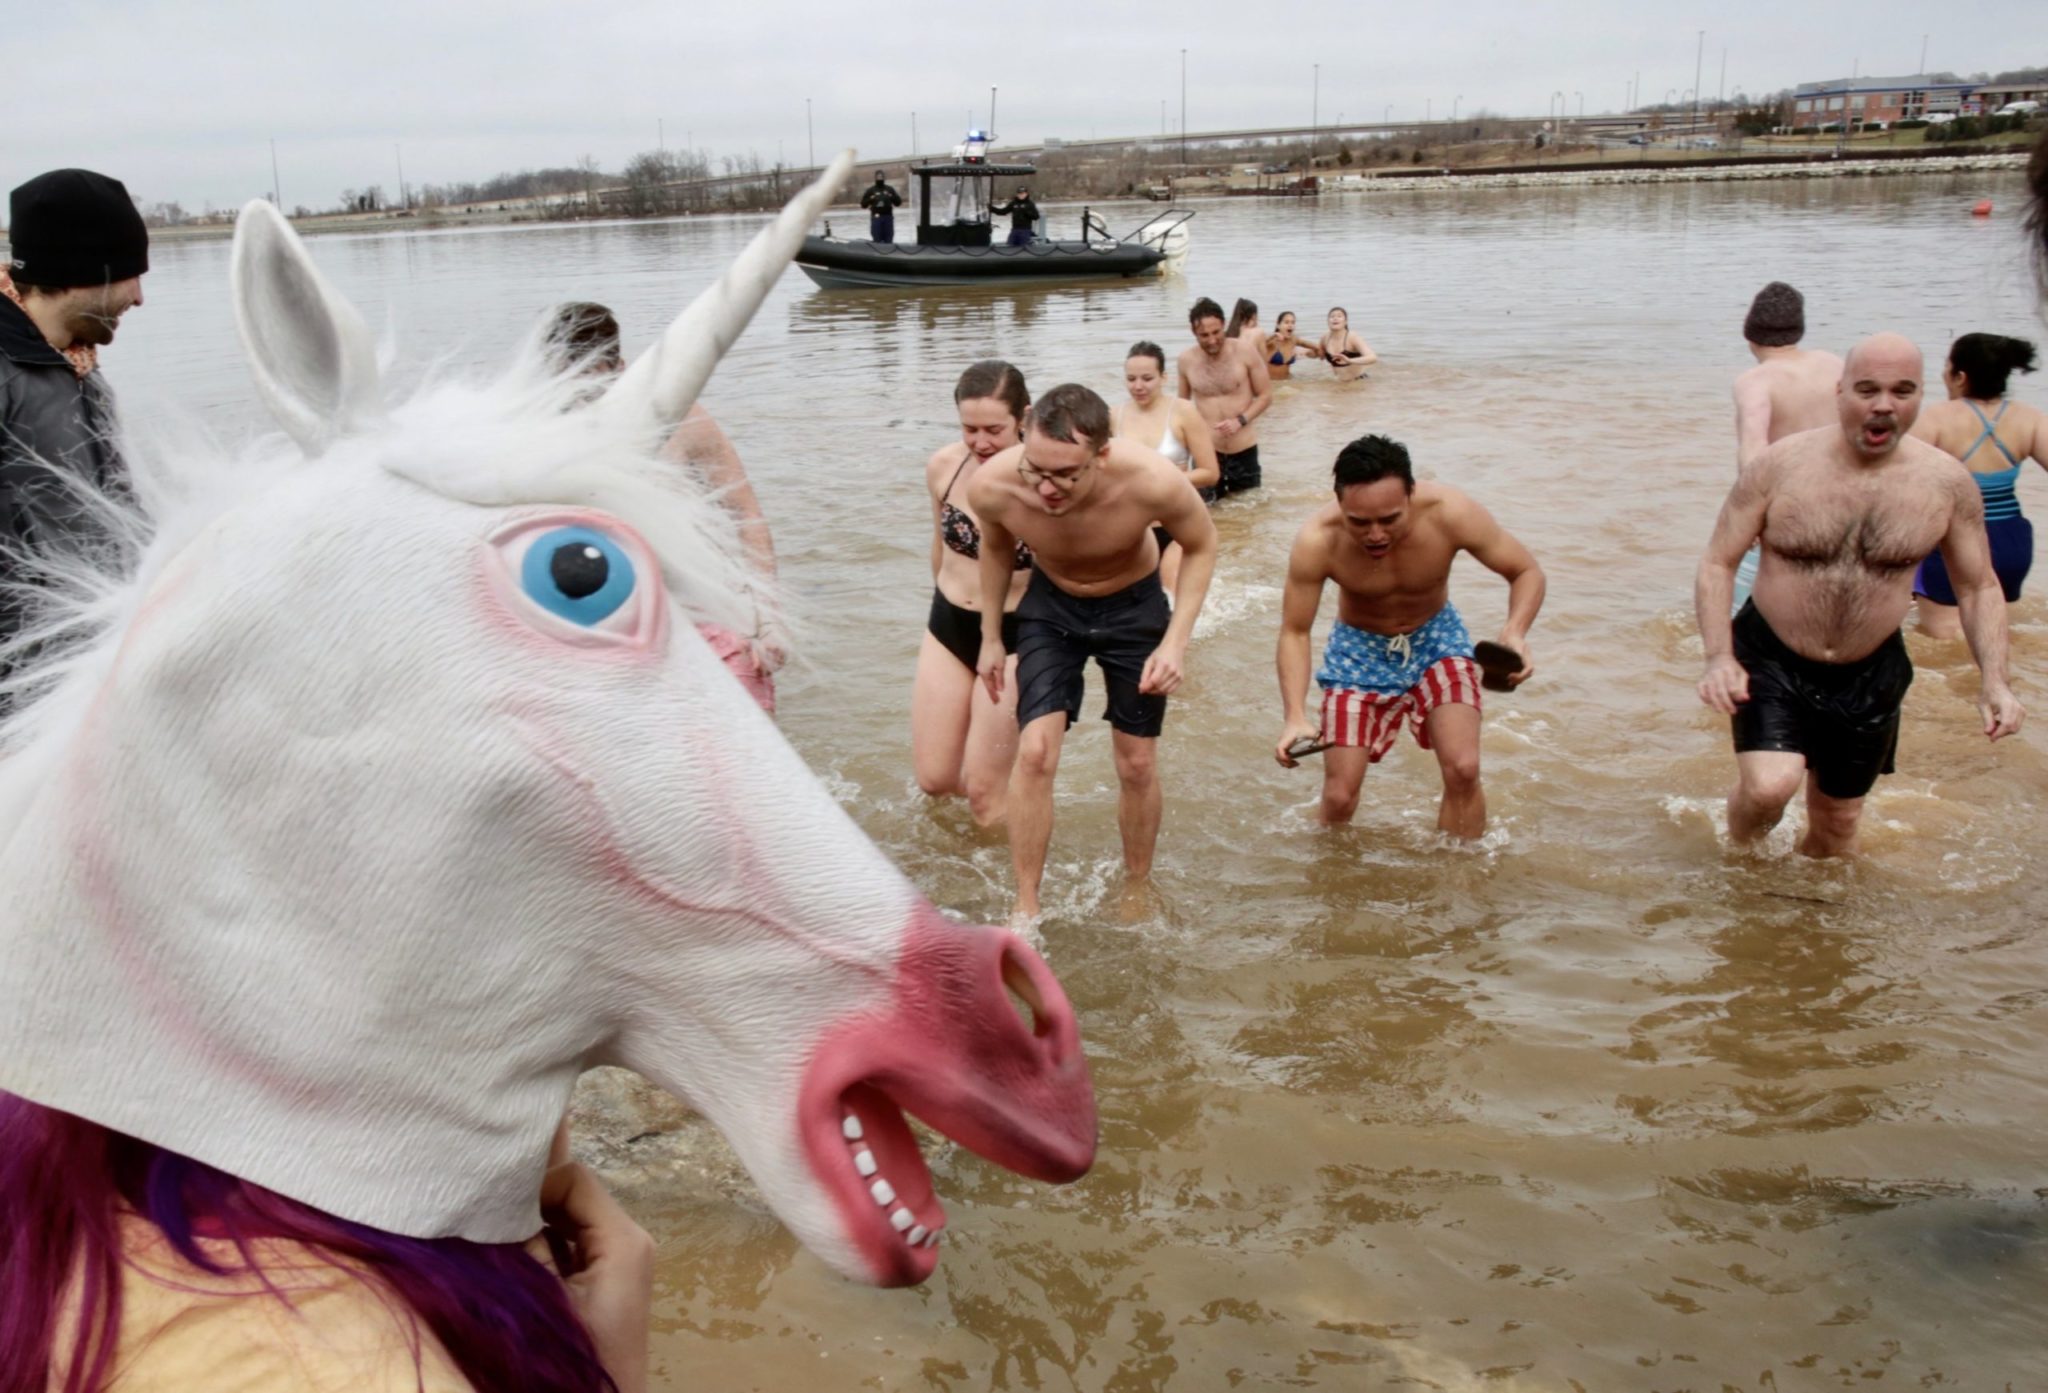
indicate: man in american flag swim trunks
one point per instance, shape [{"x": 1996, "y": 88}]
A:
[{"x": 1399, "y": 652}]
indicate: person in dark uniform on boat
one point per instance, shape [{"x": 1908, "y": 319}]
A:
[
  {"x": 880, "y": 200},
  {"x": 1023, "y": 218}
]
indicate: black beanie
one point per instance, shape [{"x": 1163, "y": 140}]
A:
[
  {"x": 1777, "y": 317},
  {"x": 72, "y": 227}
]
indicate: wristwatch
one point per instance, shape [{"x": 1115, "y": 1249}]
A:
[{"x": 1241, "y": 421}]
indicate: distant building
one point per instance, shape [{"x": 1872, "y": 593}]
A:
[
  {"x": 1994, "y": 95},
  {"x": 1865, "y": 99}
]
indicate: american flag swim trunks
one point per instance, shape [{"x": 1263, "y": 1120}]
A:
[{"x": 1352, "y": 717}]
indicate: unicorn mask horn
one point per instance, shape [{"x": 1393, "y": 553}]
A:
[{"x": 407, "y": 790}]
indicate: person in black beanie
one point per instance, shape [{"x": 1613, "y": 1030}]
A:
[{"x": 77, "y": 250}]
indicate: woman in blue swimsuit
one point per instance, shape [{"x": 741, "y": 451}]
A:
[
  {"x": 1283, "y": 350},
  {"x": 960, "y": 741},
  {"x": 1994, "y": 438}
]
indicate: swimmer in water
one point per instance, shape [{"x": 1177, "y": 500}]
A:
[
  {"x": 1283, "y": 350},
  {"x": 962, "y": 740},
  {"x": 1399, "y": 651},
  {"x": 1347, "y": 354},
  {"x": 1227, "y": 381},
  {"x": 1244, "y": 325},
  {"x": 1790, "y": 389},
  {"x": 1086, "y": 503},
  {"x": 1993, "y": 438},
  {"x": 1171, "y": 427},
  {"x": 1812, "y": 672}
]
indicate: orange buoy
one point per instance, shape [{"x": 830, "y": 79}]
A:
[{"x": 1982, "y": 210}]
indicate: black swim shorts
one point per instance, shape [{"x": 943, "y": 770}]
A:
[
  {"x": 1058, "y": 633},
  {"x": 1240, "y": 471},
  {"x": 959, "y": 629},
  {"x": 1844, "y": 717}
]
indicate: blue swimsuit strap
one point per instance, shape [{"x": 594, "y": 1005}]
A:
[{"x": 1990, "y": 432}]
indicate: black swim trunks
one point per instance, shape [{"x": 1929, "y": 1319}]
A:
[
  {"x": 1844, "y": 717},
  {"x": 1240, "y": 471},
  {"x": 959, "y": 629},
  {"x": 1058, "y": 633}
]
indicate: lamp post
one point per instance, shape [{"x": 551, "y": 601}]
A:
[
  {"x": 1698, "y": 53},
  {"x": 1387, "y": 115},
  {"x": 1315, "y": 111},
  {"x": 1582, "y": 102},
  {"x": 1183, "y": 111},
  {"x": 1454, "y": 105}
]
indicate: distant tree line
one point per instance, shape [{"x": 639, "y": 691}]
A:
[{"x": 525, "y": 183}]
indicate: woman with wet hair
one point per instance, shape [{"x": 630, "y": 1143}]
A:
[
  {"x": 1347, "y": 354},
  {"x": 1283, "y": 350},
  {"x": 1994, "y": 437},
  {"x": 1170, "y": 425},
  {"x": 961, "y": 742},
  {"x": 1244, "y": 324}
]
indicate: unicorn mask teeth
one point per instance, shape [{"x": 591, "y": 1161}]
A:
[{"x": 345, "y": 872}]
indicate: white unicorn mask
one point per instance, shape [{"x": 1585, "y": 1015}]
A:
[{"x": 404, "y": 789}]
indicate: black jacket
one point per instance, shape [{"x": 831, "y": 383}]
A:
[
  {"x": 51, "y": 419},
  {"x": 1023, "y": 213}
]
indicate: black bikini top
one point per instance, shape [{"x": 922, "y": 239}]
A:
[{"x": 958, "y": 532}]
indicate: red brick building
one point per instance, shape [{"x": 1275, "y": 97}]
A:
[{"x": 1863, "y": 100}]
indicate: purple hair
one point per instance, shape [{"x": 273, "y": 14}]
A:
[{"x": 503, "y": 1317}]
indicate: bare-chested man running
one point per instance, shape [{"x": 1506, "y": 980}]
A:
[
  {"x": 1790, "y": 389},
  {"x": 1813, "y": 670},
  {"x": 1399, "y": 650},
  {"x": 1085, "y": 504},
  {"x": 1228, "y": 382}
]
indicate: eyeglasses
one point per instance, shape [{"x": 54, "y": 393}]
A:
[{"x": 1062, "y": 479}]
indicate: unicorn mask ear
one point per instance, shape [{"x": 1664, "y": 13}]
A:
[
  {"x": 663, "y": 384},
  {"x": 314, "y": 361}
]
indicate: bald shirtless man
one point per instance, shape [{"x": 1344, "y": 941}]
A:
[
  {"x": 1790, "y": 389},
  {"x": 1399, "y": 651},
  {"x": 1229, "y": 384},
  {"x": 1085, "y": 504},
  {"x": 1813, "y": 669}
]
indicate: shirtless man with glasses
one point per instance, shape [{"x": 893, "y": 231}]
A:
[{"x": 1085, "y": 504}]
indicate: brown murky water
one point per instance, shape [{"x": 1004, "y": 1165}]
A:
[{"x": 1595, "y": 1106}]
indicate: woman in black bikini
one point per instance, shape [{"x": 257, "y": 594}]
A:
[{"x": 960, "y": 741}]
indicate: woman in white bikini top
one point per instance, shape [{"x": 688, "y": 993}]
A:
[{"x": 1171, "y": 426}]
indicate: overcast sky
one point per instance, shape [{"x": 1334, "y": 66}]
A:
[{"x": 181, "y": 100}]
